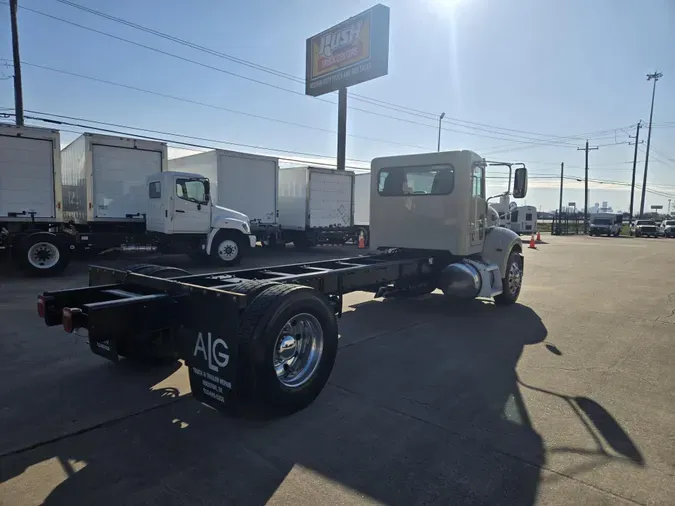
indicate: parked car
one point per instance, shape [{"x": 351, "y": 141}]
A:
[
  {"x": 667, "y": 228},
  {"x": 644, "y": 228}
]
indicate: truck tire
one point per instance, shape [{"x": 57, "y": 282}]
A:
[
  {"x": 252, "y": 288},
  {"x": 289, "y": 338},
  {"x": 227, "y": 248},
  {"x": 43, "y": 254},
  {"x": 512, "y": 280},
  {"x": 158, "y": 271}
]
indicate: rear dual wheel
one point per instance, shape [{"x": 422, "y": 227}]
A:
[
  {"x": 288, "y": 337},
  {"x": 43, "y": 254}
]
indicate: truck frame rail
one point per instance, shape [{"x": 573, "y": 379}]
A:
[{"x": 227, "y": 325}]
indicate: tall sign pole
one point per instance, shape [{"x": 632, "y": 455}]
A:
[
  {"x": 349, "y": 53},
  {"x": 342, "y": 129}
]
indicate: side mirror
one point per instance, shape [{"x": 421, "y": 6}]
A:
[{"x": 520, "y": 183}]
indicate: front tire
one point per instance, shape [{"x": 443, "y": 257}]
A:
[
  {"x": 512, "y": 280},
  {"x": 227, "y": 248}
]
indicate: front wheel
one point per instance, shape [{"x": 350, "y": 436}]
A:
[
  {"x": 512, "y": 280},
  {"x": 227, "y": 248}
]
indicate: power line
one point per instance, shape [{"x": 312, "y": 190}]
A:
[
  {"x": 204, "y": 104},
  {"x": 536, "y": 142},
  {"x": 301, "y": 80},
  {"x": 160, "y": 132}
]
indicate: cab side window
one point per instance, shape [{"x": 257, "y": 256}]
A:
[{"x": 478, "y": 182}]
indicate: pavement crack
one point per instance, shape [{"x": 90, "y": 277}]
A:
[{"x": 84, "y": 430}]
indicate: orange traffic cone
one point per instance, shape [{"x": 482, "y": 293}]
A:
[
  {"x": 532, "y": 244},
  {"x": 362, "y": 241},
  {"x": 538, "y": 236}
]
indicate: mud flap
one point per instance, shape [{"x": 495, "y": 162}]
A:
[
  {"x": 212, "y": 370},
  {"x": 106, "y": 349}
]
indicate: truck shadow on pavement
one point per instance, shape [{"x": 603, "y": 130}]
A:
[{"x": 423, "y": 407}]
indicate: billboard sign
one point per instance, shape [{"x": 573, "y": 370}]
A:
[
  {"x": 657, "y": 207},
  {"x": 349, "y": 53}
]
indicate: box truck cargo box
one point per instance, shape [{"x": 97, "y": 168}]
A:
[
  {"x": 104, "y": 177},
  {"x": 30, "y": 176},
  {"x": 240, "y": 181},
  {"x": 313, "y": 197},
  {"x": 362, "y": 199}
]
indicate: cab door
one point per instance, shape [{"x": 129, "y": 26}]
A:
[
  {"x": 478, "y": 212},
  {"x": 191, "y": 209}
]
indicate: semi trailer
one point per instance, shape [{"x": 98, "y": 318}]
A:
[
  {"x": 241, "y": 181},
  {"x": 316, "y": 205},
  {"x": 103, "y": 193},
  {"x": 264, "y": 340}
]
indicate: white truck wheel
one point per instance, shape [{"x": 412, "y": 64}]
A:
[
  {"x": 512, "y": 281},
  {"x": 44, "y": 254},
  {"x": 227, "y": 248}
]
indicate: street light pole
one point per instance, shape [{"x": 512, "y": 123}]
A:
[
  {"x": 440, "y": 118},
  {"x": 655, "y": 76}
]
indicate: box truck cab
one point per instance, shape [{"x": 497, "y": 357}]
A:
[{"x": 181, "y": 212}]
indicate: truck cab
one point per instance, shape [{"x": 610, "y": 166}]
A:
[
  {"x": 180, "y": 211},
  {"x": 644, "y": 228},
  {"x": 436, "y": 202}
]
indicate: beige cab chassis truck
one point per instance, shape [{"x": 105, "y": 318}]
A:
[{"x": 264, "y": 340}]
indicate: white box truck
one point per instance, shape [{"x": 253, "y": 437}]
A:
[
  {"x": 316, "y": 205},
  {"x": 117, "y": 196},
  {"x": 31, "y": 197},
  {"x": 242, "y": 181},
  {"x": 104, "y": 178}
]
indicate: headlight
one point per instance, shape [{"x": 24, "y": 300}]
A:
[{"x": 247, "y": 228}]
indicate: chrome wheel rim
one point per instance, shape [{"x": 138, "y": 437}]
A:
[
  {"x": 297, "y": 350},
  {"x": 228, "y": 250},
  {"x": 43, "y": 255},
  {"x": 515, "y": 277}
]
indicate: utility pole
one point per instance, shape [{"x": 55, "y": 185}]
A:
[
  {"x": 655, "y": 77},
  {"x": 18, "y": 90},
  {"x": 632, "y": 186},
  {"x": 586, "y": 149},
  {"x": 562, "y": 168},
  {"x": 669, "y": 206},
  {"x": 440, "y": 119}
]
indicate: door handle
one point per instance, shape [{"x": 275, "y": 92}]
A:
[{"x": 179, "y": 211}]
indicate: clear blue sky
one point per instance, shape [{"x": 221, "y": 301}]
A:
[{"x": 557, "y": 68}]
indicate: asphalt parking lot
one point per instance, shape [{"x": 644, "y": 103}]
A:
[{"x": 565, "y": 398}]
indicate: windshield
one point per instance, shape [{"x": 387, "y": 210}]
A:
[
  {"x": 670, "y": 223},
  {"x": 646, "y": 222},
  {"x": 601, "y": 221}
]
